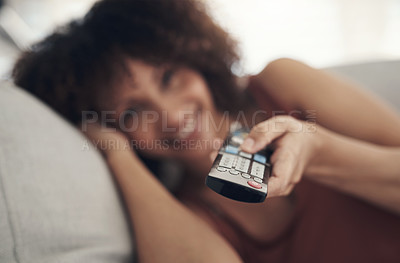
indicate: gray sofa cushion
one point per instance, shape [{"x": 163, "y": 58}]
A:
[
  {"x": 382, "y": 78},
  {"x": 58, "y": 201}
]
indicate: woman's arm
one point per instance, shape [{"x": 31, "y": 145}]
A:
[
  {"x": 357, "y": 152},
  {"x": 165, "y": 230},
  {"x": 363, "y": 169},
  {"x": 368, "y": 171},
  {"x": 340, "y": 105}
]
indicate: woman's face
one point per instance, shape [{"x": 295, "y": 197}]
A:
[{"x": 167, "y": 112}]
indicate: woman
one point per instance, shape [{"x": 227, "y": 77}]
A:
[{"x": 161, "y": 70}]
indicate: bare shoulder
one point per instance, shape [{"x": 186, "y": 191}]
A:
[
  {"x": 342, "y": 106},
  {"x": 288, "y": 81},
  {"x": 283, "y": 63}
]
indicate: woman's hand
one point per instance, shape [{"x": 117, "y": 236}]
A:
[
  {"x": 107, "y": 140},
  {"x": 295, "y": 145},
  {"x": 158, "y": 219}
]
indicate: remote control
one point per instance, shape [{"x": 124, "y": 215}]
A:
[{"x": 240, "y": 175}]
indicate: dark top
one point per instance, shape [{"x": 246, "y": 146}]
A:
[{"x": 328, "y": 226}]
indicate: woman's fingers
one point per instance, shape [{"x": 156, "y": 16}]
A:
[
  {"x": 292, "y": 150},
  {"x": 95, "y": 130},
  {"x": 213, "y": 155},
  {"x": 265, "y": 132},
  {"x": 216, "y": 145},
  {"x": 105, "y": 139},
  {"x": 287, "y": 166},
  {"x": 281, "y": 181}
]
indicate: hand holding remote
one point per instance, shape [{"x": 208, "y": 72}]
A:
[
  {"x": 237, "y": 174},
  {"x": 295, "y": 144}
]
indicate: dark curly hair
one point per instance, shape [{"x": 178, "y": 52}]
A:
[{"x": 87, "y": 56}]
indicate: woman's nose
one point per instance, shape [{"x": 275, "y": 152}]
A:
[
  {"x": 174, "y": 116},
  {"x": 171, "y": 118}
]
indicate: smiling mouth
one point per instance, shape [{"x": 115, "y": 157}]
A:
[{"x": 190, "y": 129}]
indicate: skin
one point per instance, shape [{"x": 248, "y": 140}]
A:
[
  {"x": 158, "y": 104},
  {"x": 357, "y": 140},
  {"x": 360, "y": 159}
]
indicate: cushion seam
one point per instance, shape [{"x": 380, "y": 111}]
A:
[{"x": 7, "y": 207}]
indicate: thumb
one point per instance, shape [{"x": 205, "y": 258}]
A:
[{"x": 213, "y": 155}]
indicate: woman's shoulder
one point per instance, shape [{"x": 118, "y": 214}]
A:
[
  {"x": 284, "y": 65},
  {"x": 281, "y": 82}
]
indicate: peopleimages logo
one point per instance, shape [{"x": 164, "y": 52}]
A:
[
  {"x": 145, "y": 119},
  {"x": 153, "y": 145},
  {"x": 178, "y": 127}
]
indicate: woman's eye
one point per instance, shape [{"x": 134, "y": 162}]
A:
[{"x": 167, "y": 76}]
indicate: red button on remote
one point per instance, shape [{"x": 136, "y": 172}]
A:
[{"x": 254, "y": 184}]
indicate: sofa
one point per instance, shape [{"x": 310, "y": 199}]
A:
[{"x": 58, "y": 200}]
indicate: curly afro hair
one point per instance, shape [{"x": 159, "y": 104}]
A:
[{"x": 68, "y": 68}]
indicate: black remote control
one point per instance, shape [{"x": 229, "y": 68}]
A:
[{"x": 240, "y": 175}]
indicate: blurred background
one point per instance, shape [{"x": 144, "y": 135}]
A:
[{"x": 321, "y": 33}]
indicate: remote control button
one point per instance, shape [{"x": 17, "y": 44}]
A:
[
  {"x": 257, "y": 170},
  {"x": 260, "y": 158},
  {"x": 254, "y": 184},
  {"x": 247, "y": 155},
  {"x": 231, "y": 149},
  {"x": 221, "y": 169},
  {"x": 242, "y": 164},
  {"x": 233, "y": 172},
  {"x": 234, "y": 161},
  {"x": 245, "y": 175},
  {"x": 227, "y": 160},
  {"x": 258, "y": 180}
]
